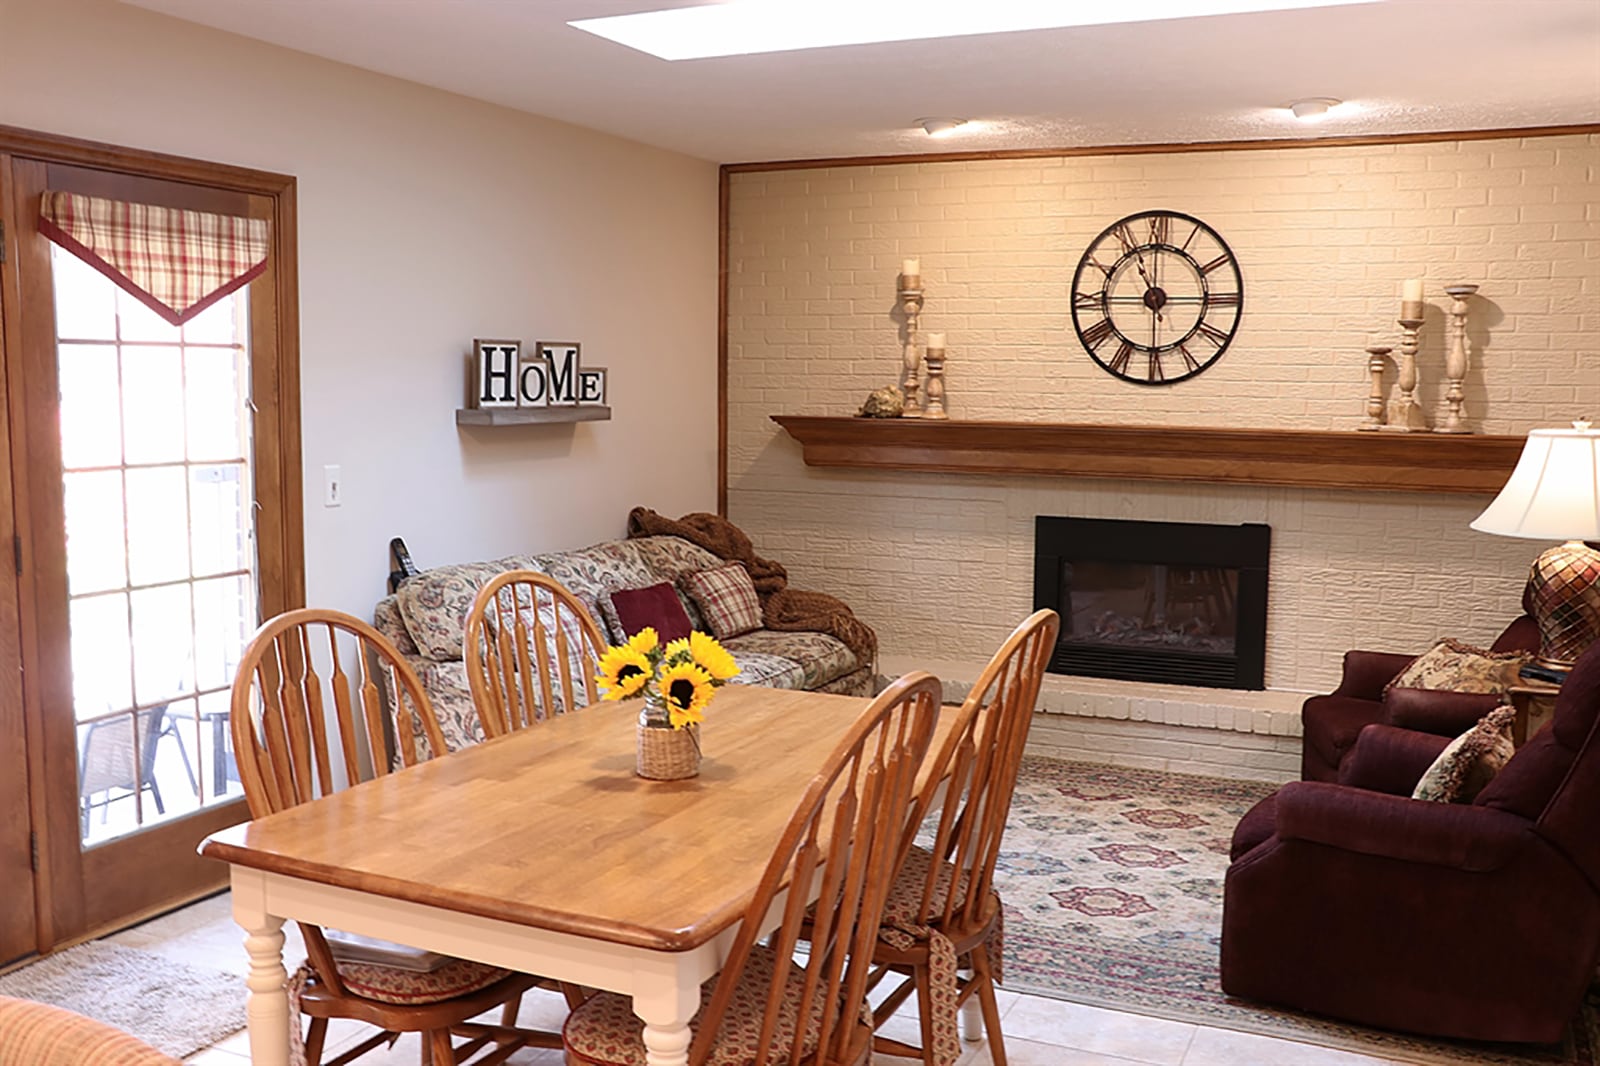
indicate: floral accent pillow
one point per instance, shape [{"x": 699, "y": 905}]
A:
[
  {"x": 1470, "y": 762},
  {"x": 727, "y": 598},
  {"x": 1457, "y": 667}
]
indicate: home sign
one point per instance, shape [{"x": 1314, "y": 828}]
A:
[{"x": 553, "y": 376}]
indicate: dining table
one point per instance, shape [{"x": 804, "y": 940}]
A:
[{"x": 542, "y": 852}]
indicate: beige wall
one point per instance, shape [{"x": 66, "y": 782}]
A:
[
  {"x": 942, "y": 565},
  {"x": 426, "y": 219}
]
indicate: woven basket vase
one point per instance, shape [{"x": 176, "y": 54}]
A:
[{"x": 666, "y": 754}]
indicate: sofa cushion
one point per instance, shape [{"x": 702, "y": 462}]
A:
[
  {"x": 629, "y": 610},
  {"x": 595, "y": 572},
  {"x": 672, "y": 559},
  {"x": 727, "y": 598},
  {"x": 772, "y": 671},
  {"x": 821, "y": 658},
  {"x": 434, "y": 604},
  {"x": 1470, "y": 761}
]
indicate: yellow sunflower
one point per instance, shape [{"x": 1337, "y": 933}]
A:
[
  {"x": 644, "y": 642},
  {"x": 677, "y": 651},
  {"x": 623, "y": 671},
  {"x": 712, "y": 657},
  {"x": 686, "y": 689}
]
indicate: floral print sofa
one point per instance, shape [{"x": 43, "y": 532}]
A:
[{"x": 427, "y": 618}]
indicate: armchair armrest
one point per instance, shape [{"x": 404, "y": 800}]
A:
[
  {"x": 1390, "y": 760},
  {"x": 1366, "y": 672},
  {"x": 1439, "y": 834},
  {"x": 1448, "y": 714}
]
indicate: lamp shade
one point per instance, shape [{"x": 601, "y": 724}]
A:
[{"x": 1554, "y": 492}]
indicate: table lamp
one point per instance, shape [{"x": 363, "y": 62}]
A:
[{"x": 1554, "y": 494}]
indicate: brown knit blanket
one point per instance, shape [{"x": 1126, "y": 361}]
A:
[{"x": 782, "y": 607}]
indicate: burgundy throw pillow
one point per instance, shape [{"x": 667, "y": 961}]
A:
[{"x": 656, "y": 606}]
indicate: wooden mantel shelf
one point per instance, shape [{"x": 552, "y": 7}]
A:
[{"x": 1409, "y": 462}]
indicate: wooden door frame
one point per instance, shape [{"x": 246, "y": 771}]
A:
[{"x": 275, "y": 391}]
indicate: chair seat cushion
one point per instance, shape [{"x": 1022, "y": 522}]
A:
[
  {"x": 905, "y": 895},
  {"x": 1259, "y": 823},
  {"x": 605, "y": 1029},
  {"x": 389, "y": 984}
]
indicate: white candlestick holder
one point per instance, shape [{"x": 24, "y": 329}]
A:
[
  {"x": 1377, "y": 360},
  {"x": 1455, "y": 364},
  {"x": 911, "y": 382},
  {"x": 1408, "y": 415},
  {"x": 935, "y": 360}
]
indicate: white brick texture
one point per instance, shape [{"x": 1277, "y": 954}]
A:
[{"x": 941, "y": 565}]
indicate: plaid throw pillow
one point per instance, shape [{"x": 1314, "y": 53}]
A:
[{"x": 727, "y": 598}]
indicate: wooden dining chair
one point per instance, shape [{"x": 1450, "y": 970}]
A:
[
  {"x": 531, "y": 651},
  {"x": 308, "y": 719},
  {"x": 843, "y": 838},
  {"x": 943, "y": 912}
]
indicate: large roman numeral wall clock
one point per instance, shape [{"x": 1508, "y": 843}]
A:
[{"x": 1156, "y": 297}]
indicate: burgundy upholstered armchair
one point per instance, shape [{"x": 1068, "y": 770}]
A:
[
  {"x": 1332, "y": 722},
  {"x": 1477, "y": 921}
]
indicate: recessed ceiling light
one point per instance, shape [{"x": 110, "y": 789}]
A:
[
  {"x": 1313, "y": 107},
  {"x": 940, "y": 127},
  {"x": 745, "y": 27}
]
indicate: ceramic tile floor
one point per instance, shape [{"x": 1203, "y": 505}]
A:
[{"x": 1038, "y": 1031}]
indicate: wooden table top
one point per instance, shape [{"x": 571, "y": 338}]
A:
[{"x": 549, "y": 827}]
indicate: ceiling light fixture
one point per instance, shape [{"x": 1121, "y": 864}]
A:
[
  {"x": 747, "y": 27},
  {"x": 1313, "y": 107},
  {"x": 940, "y": 127}
]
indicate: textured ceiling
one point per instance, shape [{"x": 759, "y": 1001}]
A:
[{"x": 1405, "y": 65}]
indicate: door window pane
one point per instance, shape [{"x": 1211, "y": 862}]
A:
[
  {"x": 163, "y": 643},
  {"x": 96, "y": 545},
  {"x": 86, "y": 301},
  {"x": 158, "y": 525},
  {"x": 102, "y": 655},
  {"x": 152, "y": 392},
  {"x": 91, "y": 411}
]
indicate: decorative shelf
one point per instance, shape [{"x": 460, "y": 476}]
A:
[
  {"x": 525, "y": 416},
  {"x": 1382, "y": 461}
]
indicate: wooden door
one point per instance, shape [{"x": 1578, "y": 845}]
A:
[
  {"x": 18, "y": 935},
  {"x": 157, "y": 476}
]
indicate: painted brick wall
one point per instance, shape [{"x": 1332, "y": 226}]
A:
[{"x": 942, "y": 564}]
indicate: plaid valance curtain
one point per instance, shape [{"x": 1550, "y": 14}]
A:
[{"x": 176, "y": 262}]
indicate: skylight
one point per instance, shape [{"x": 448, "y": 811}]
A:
[{"x": 745, "y": 27}]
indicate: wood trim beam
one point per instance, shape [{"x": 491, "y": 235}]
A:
[
  {"x": 1398, "y": 462},
  {"x": 1429, "y": 137}
]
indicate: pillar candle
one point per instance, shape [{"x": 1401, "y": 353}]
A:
[
  {"x": 936, "y": 341},
  {"x": 912, "y": 268},
  {"x": 1411, "y": 291}
]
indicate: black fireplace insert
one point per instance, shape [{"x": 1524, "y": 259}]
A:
[{"x": 1182, "y": 603}]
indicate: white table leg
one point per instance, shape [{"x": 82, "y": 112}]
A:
[
  {"x": 971, "y": 1016},
  {"x": 267, "y": 1012},
  {"x": 666, "y": 1013}
]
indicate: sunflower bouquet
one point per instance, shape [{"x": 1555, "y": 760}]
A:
[{"x": 677, "y": 679}]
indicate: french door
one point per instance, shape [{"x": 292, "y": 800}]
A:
[{"x": 156, "y": 474}]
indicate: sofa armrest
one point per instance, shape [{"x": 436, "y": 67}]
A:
[
  {"x": 1449, "y": 714},
  {"x": 1366, "y": 672},
  {"x": 1390, "y": 760},
  {"x": 1371, "y": 823}
]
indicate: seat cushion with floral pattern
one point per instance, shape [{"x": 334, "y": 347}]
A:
[
  {"x": 391, "y": 984},
  {"x": 605, "y": 1029}
]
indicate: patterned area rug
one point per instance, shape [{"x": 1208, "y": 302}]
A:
[{"x": 1112, "y": 881}]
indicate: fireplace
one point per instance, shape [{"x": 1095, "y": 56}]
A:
[{"x": 1181, "y": 603}]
